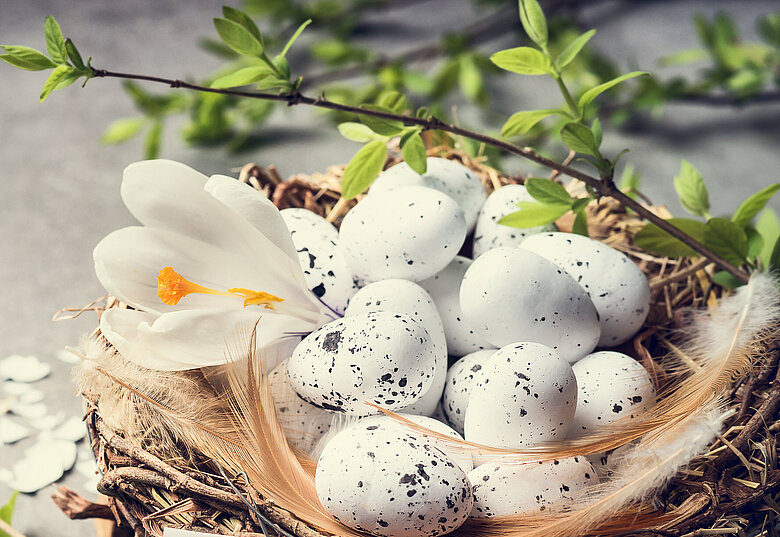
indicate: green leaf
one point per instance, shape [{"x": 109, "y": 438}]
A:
[
  {"x": 755, "y": 242},
  {"x": 26, "y": 58},
  {"x": 387, "y": 127},
  {"x": 523, "y": 60},
  {"x": 55, "y": 42},
  {"x": 726, "y": 239},
  {"x": 152, "y": 142},
  {"x": 579, "y": 138},
  {"x": 238, "y": 38},
  {"x": 692, "y": 191},
  {"x": 753, "y": 205},
  {"x": 73, "y": 55},
  {"x": 357, "y": 132},
  {"x": 122, "y": 130},
  {"x": 69, "y": 78},
  {"x": 294, "y": 37},
  {"x": 243, "y": 20},
  {"x": 657, "y": 241},
  {"x": 470, "y": 78},
  {"x": 579, "y": 204},
  {"x": 394, "y": 101},
  {"x": 768, "y": 225},
  {"x": 598, "y": 135},
  {"x": 363, "y": 169},
  {"x": 532, "y": 214},
  {"x": 580, "y": 225},
  {"x": 592, "y": 93},
  {"x": 522, "y": 122},
  {"x": 574, "y": 48},
  {"x": 242, "y": 77},
  {"x": 413, "y": 151},
  {"x": 683, "y": 57},
  {"x": 548, "y": 192},
  {"x": 7, "y": 511},
  {"x": 727, "y": 280},
  {"x": 53, "y": 81},
  {"x": 534, "y": 23},
  {"x": 774, "y": 259}
]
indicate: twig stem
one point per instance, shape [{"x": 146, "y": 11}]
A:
[
  {"x": 602, "y": 187},
  {"x": 7, "y": 528}
]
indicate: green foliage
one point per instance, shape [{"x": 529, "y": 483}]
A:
[
  {"x": 572, "y": 50},
  {"x": 547, "y": 191},
  {"x": 522, "y": 122},
  {"x": 552, "y": 202},
  {"x": 692, "y": 191},
  {"x": 753, "y": 205},
  {"x": 122, "y": 130},
  {"x": 726, "y": 239},
  {"x": 363, "y": 168},
  {"x": 592, "y": 93},
  {"x": 655, "y": 240},
  {"x": 413, "y": 151},
  {"x": 534, "y": 22},
  {"x": 55, "y": 41},
  {"x": 524, "y": 61},
  {"x": 532, "y": 214},
  {"x": 7, "y": 512},
  {"x": 579, "y": 138}
]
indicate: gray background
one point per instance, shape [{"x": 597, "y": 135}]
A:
[{"x": 59, "y": 189}]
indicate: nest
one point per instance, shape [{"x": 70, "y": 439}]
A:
[{"x": 731, "y": 488}]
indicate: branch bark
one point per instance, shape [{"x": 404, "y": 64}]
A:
[{"x": 605, "y": 188}]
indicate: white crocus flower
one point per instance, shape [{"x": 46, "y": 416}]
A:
[{"x": 213, "y": 254}]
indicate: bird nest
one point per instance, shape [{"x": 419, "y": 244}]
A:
[{"x": 149, "y": 485}]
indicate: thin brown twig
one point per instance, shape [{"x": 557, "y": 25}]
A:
[{"x": 603, "y": 187}]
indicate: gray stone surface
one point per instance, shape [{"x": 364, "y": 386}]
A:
[{"x": 59, "y": 189}]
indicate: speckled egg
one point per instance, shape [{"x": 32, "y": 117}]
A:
[
  {"x": 409, "y": 232},
  {"x": 388, "y": 484},
  {"x": 303, "y": 423},
  {"x": 489, "y": 233},
  {"x": 447, "y": 176},
  {"x": 611, "y": 385},
  {"x": 403, "y": 296},
  {"x": 524, "y": 394},
  {"x": 512, "y": 294},
  {"x": 380, "y": 357},
  {"x": 616, "y": 285},
  {"x": 512, "y": 488},
  {"x": 461, "y": 457},
  {"x": 444, "y": 289},
  {"x": 460, "y": 379},
  {"x": 326, "y": 272}
]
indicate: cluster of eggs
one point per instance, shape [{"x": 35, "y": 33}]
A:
[{"x": 520, "y": 323}]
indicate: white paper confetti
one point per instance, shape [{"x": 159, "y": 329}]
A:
[
  {"x": 11, "y": 432},
  {"x": 48, "y": 447},
  {"x": 31, "y": 396},
  {"x": 34, "y": 411},
  {"x": 48, "y": 422},
  {"x": 15, "y": 388},
  {"x": 23, "y": 368},
  {"x": 73, "y": 429},
  {"x": 34, "y": 473}
]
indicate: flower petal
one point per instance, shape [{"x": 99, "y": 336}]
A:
[
  {"x": 255, "y": 208},
  {"x": 191, "y": 339}
]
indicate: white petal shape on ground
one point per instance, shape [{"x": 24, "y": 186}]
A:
[
  {"x": 73, "y": 429},
  {"x": 66, "y": 356},
  {"x": 255, "y": 208},
  {"x": 36, "y": 410},
  {"x": 48, "y": 422},
  {"x": 11, "y": 432},
  {"x": 15, "y": 388},
  {"x": 31, "y": 396},
  {"x": 33, "y": 473},
  {"x": 23, "y": 368}
]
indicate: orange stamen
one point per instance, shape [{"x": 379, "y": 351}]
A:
[{"x": 172, "y": 287}]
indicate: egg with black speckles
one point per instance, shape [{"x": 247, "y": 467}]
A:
[
  {"x": 616, "y": 285},
  {"x": 303, "y": 423},
  {"x": 457, "y": 388},
  {"x": 403, "y": 296},
  {"x": 489, "y": 234},
  {"x": 410, "y": 233},
  {"x": 513, "y": 488},
  {"x": 388, "y": 484},
  {"x": 513, "y": 294},
  {"x": 324, "y": 268},
  {"x": 444, "y": 289},
  {"x": 524, "y": 394},
  {"x": 461, "y": 457},
  {"x": 611, "y": 385},
  {"x": 384, "y": 358},
  {"x": 447, "y": 176}
]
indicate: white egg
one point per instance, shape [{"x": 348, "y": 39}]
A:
[
  {"x": 380, "y": 357},
  {"x": 444, "y": 289},
  {"x": 489, "y": 233},
  {"x": 512, "y": 294},
  {"x": 460, "y": 380},
  {"x": 524, "y": 394},
  {"x": 513, "y": 488},
  {"x": 410, "y": 233},
  {"x": 303, "y": 423},
  {"x": 616, "y": 285},
  {"x": 461, "y": 457},
  {"x": 323, "y": 264},
  {"x": 391, "y": 485},
  {"x": 447, "y": 176},
  {"x": 611, "y": 385},
  {"x": 403, "y": 296}
]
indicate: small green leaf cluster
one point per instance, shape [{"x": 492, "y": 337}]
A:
[
  {"x": 552, "y": 202},
  {"x": 7, "y": 512},
  {"x": 736, "y": 239},
  {"x": 375, "y": 132},
  {"x": 575, "y": 133},
  {"x": 240, "y": 33},
  {"x": 63, "y": 58}
]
